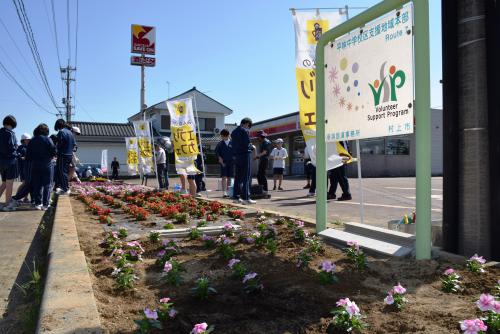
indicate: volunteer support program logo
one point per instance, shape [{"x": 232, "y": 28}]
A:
[{"x": 397, "y": 79}]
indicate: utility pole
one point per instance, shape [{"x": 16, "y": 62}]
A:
[
  {"x": 66, "y": 76},
  {"x": 143, "y": 105}
]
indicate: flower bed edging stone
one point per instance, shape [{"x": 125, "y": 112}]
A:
[{"x": 68, "y": 304}]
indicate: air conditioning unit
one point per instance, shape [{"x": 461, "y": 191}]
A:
[{"x": 216, "y": 131}]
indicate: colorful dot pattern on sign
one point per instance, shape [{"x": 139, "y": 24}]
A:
[{"x": 346, "y": 85}]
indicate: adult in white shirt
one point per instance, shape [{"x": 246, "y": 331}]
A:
[
  {"x": 278, "y": 155},
  {"x": 161, "y": 165}
]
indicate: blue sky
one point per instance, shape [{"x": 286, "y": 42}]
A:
[{"x": 239, "y": 52}]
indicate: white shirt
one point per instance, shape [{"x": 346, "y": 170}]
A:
[
  {"x": 160, "y": 156},
  {"x": 279, "y": 156}
]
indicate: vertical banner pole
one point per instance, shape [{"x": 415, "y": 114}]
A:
[
  {"x": 423, "y": 130},
  {"x": 141, "y": 169},
  {"x": 199, "y": 137},
  {"x": 321, "y": 175},
  {"x": 360, "y": 179},
  {"x": 154, "y": 155}
]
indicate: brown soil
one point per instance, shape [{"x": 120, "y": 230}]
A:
[{"x": 293, "y": 300}]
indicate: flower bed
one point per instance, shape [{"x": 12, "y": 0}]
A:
[{"x": 272, "y": 276}]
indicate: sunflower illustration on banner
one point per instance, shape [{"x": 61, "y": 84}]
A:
[
  {"x": 145, "y": 147},
  {"x": 184, "y": 139},
  {"x": 132, "y": 157}
]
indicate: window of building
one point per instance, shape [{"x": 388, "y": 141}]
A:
[
  {"x": 165, "y": 122},
  {"x": 206, "y": 124},
  {"x": 372, "y": 146},
  {"x": 397, "y": 146}
]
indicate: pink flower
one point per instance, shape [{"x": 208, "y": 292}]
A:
[
  {"x": 167, "y": 267},
  {"x": 164, "y": 300},
  {"x": 343, "y": 302},
  {"x": 199, "y": 328},
  {"x": 228, "y": 226},
  {"x": 151, "y": 314},
  {"x": 328, "y": 266},
  {"x": 249, "y": 277},
  {"x": 478, "y": 259},
  {"x": 473, "y": 326},
  {"x": 389, "y": 300},
  {"x": 300, "y": 224},
  {"x": 485, "y": 302},
  {"x": 496, "y": 307},
  {"x": 353, "y": 244},
  {"x": 449, "y": 271},
  {"x": 352, "y": 308},
  {"x": 161, "y": 253},
  {"x": 232, "y": 262},
  {"x": 172, "y": 313},
  {"x": 399, "y": 289}
]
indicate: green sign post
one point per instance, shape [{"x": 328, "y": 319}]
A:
[{"x": 421, "y": 107}]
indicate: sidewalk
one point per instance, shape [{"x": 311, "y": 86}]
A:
[{"x": 19, "y": 243}]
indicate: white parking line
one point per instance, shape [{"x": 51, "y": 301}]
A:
[
  {"x": 401, "y": 188},
  {"x": 384, "y": 205}
]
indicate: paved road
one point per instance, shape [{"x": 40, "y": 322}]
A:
[
  {"x": 17, "y": 246},
  {"x": 384, "y": 199}
]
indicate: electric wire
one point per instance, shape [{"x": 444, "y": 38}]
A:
[
  {"x": 30, "y": 38},
  {"x": 11, "y": 77},
  {"x": 69, "y": 31}
]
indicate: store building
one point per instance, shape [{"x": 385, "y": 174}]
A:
[
  {"x": 380, "y": 157},
  {"x": 97, "y": 136}
]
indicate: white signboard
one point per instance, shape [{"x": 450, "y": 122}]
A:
[{"x": 369, "y": 80}]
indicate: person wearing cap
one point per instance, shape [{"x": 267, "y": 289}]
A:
[
  {"x": 21, "y": 155},
  {"x": 242, "y": 150},
  {"x": 279, "y": 155},
  {"x": 8, "y": 156},
  {"x": 265, "y": 150},
  {"x": 72, "y": 175}
]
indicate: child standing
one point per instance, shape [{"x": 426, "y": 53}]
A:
[
  {"x": 279, "y": 155},
  {"x": 8, "y": 156},
  {"x": 224, "y": 155},
  {"x": 41, "y": 151}
]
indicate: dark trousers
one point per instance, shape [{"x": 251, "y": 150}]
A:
[
  {"x": 40, "y": 181},
  {"x": 242, "y": 176},
  {"x": 339, "y": 176},
  {"x": 114, "y": 174},
  {"x": 261, "y": 173},
  {"x": 62, "y": 171},
  {"x": 160, "y": 168},
  {"x": 312, "y": 189}
]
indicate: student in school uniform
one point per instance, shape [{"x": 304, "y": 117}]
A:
[
  {"x": 65, "y": 147},
  {"x": 8, "y": 156},
  {"x": 224, "y": 155},
  {"x": 279, "y": 155},
  {"x": 41, "y": 151}
]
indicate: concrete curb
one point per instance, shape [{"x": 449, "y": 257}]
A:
[{"x": 68, "y": 304}]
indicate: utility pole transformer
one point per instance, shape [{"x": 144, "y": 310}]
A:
[{"x": 66, "y": 76}]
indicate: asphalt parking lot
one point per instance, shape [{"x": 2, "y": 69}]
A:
[{"x": 385, "y": 199}]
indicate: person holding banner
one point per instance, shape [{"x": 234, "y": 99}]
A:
[
  {"x": 242, "y": 151},
  {"x": 339, "y": 176}
]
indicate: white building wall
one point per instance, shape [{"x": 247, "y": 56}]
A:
[{"x": 91, "y": 153}]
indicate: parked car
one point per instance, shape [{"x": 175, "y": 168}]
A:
[{"x": 95, "y": 170}]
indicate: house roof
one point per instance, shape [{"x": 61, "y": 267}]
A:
[
  {"x": 93, "y": 129},
  {"x": 204, "y": 103}
]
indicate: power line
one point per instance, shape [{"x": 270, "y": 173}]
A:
[
  {"x": 54, "y": 37},
  {"x": 28, "y": 31},
  {"x": 85, "y": 110},
  {"x": 55, "y": 32},
  {"x": 20, "y": 52},
  {"x": 69, "y": 30},
  {"x": 76, "y": 51},
  {"x": 11, "y": 77},
  {"x": 17, "y": 68}
]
